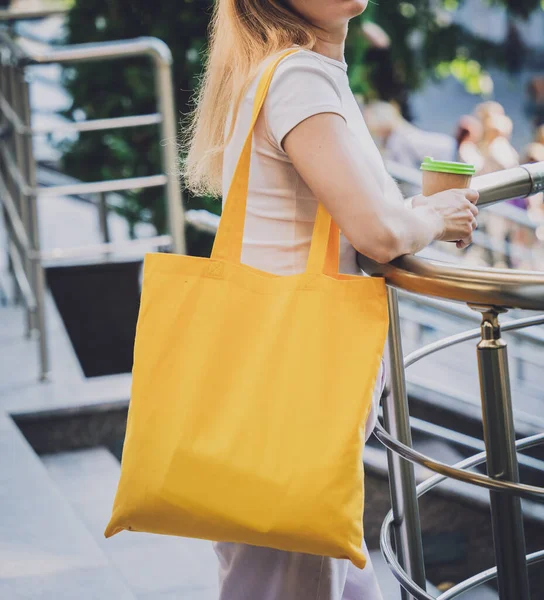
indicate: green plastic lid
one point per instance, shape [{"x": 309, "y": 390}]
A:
[{"x": 444, "y": 166}]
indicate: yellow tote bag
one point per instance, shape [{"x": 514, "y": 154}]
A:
[{"x": 250, "y": 393}]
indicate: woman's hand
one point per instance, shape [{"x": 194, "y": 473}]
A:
[{"x": 456, "y": 210}]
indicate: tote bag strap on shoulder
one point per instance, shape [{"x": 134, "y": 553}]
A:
[{"x": 325, "y": 246}]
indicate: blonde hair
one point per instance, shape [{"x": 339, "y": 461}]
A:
[{"x": 242, "y": 34}]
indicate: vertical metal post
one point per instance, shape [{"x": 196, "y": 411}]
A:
[
  {"x": 103, "y": 221},
  {"x": 502, "y": 461},
  {"x": 19, "y": 89},
  {"x": 103, "y": 217},
  {"x": 4, "y": 125},
  {"x": 9, "y": 94},
  {"x": 402, "y": 481},
  {"x": 37, "y": 277},
  {"x": 3, "y": 128},
  {"x": 169, "y": 147},
  {"x": 520, "y": 362}
]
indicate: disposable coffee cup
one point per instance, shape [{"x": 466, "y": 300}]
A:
[{"x": 441, "y": 175}]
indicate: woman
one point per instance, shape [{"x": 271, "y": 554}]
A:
[
  {"x": 498, "y": 154},
  {"x": 496, "y": 146},
  {"x": 310, "y": 142},
  {"x": 468, "y": 136}
]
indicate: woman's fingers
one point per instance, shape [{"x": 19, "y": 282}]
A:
[
  {"x": 464, "y": 243},
  {"x": 473, "y": 208},
  {"x": 472, "y": 195}
]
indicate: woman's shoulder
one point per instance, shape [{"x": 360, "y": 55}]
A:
[
  {"x": 301, "y": 60},
  {"x": 303, "y": 71}
]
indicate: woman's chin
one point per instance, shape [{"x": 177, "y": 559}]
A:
[{"x": 354, "y": 8}]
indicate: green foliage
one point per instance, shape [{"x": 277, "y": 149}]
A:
[
  {"x": 426, "y": 43},
  {"x": 469, "y": 73},
  {"x": 126, "y": 87}
]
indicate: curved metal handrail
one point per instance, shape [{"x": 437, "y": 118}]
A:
[
  {"x": 474, "y": 285},
  {"x": 423, "y": 488},
  {"x": 484, "y": 576},
  {"x": 497, "y": 485},
  {"x": 459, "y": 471},
  {"x": 465, "y": 336},
  {"x": 11, "y": 15},
  {"x": 110, "y": 50}
]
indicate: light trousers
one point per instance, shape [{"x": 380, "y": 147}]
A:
[{"x": 256, "y": 573}]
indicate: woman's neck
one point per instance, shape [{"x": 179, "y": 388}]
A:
[{"x": 331, "y": 43}]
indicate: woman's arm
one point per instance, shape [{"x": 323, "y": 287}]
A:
[{"x": 375, "y": 222}]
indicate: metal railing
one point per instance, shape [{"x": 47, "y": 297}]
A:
[
  {"x": 19, "y": 192},
  {"x": 11, "y": 15},
  {"x": 490, "y": 292}
]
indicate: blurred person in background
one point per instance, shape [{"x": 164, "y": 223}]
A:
[
  {"x": 498, "y": 154},
  {"x": 526, "y": 238},
  {"x": 488, "y": 108},
  {"x": 494, "y": 152},
  {"x": 535, "y": 105},
  {"x": 496, "y": 148},
  {"x": 533, "y": 153},
  {"x": 402, "y": 142},
  {"x": 375, "y": 35},
  {"x": 539, "y": 135},
  {"x": 382, "y": 73},
  {"x": 468, "y": 136}
]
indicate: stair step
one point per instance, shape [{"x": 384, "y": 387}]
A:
[
  {"x": 45, "y": 550},
  {"x": 154, "y": 567}
]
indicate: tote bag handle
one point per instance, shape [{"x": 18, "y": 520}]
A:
[{"x": 325, "y": 246}]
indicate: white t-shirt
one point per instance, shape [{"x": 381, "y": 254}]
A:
[{"x": 281, "y": 209}]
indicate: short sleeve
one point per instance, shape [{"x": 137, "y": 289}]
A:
[{"x": 300, "y": 88}]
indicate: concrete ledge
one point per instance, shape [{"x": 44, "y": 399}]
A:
[{"x": 45, "y": 550}]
